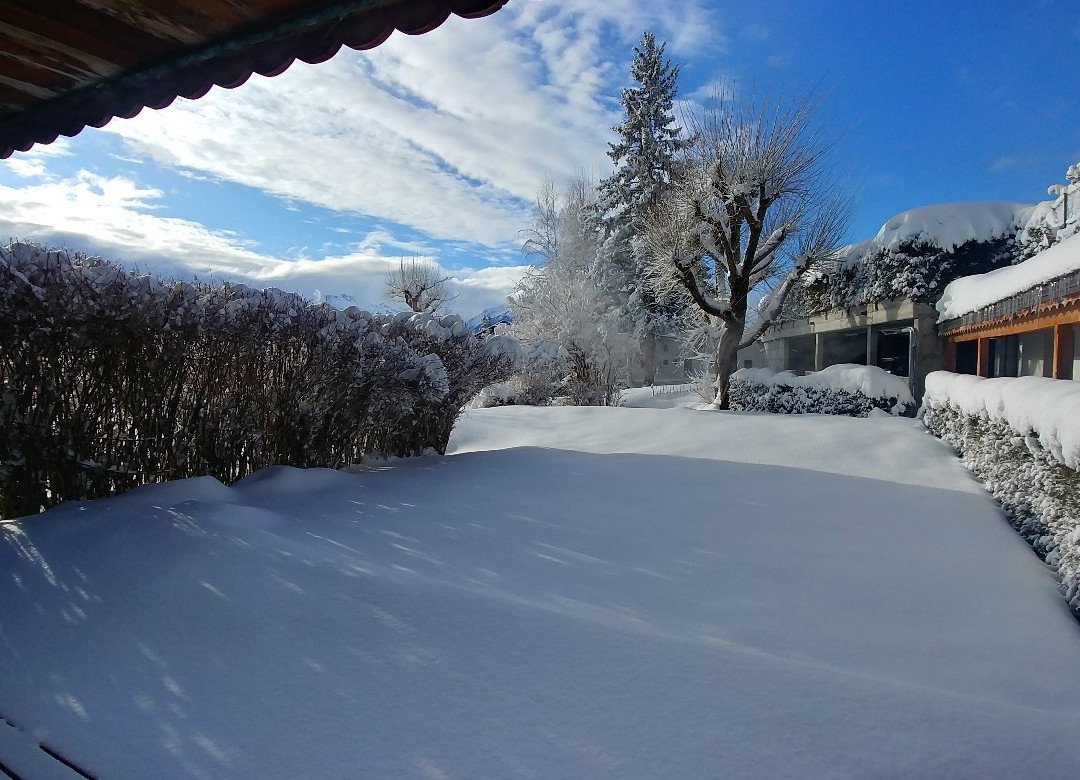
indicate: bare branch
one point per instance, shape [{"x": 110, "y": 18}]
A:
[{"x": 753, "y": 202}]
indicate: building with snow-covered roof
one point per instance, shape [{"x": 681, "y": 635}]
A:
[
  {"x": 898, "y": 335},
  {"x": 1020, "y": 320},
  {"x": 1016, "y": 321},
  {"x": 874, "y": 304}
]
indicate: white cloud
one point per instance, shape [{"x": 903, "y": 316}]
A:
[
  {"x": 34, "y": 163},
  {"x": 115, "y": 217},
  {"x": 450, "y": 133}
]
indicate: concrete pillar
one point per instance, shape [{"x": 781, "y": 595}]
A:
[
  {"x": 871, "y": 347},
  {"x": 819, "y": 352}
]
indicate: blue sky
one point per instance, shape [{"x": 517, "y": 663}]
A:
[{"x": 318, "y": 180}]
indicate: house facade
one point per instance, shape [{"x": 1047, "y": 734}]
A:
[
  {"x": 1019, "y": 321},
  {"x": 899, "y": 336},
  {"x": 1004, "y": 279}
]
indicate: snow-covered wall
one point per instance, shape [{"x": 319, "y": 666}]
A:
[{"x": 1021, "y": 436}]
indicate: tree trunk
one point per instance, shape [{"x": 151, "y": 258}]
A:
[{"x": 727, "y": 355}]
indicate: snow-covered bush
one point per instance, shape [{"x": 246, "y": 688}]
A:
[
  {"x": 538, "y": 378},
  {"x": 846, "y": 389},
  {"x": 1021, "y": 437},
  {"x": 470, "y": 362},
  {"x": 918, "y": 252},
  {"x": 110, "y": 379}
]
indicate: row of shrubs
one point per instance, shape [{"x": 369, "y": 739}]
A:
[
  {"x": 1027, "y": 473},
  {"x": 110, "y": 379},
  {"x": 846, "y": 390}
]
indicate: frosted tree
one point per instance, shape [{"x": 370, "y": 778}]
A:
[
  {"x": 560, "y": 303},
  {"x": 752, "y": 208},
  {"x": 1053, "y": 221},
  {"x": 644, "y": 156},
  {"x": 418, "y": 283}
]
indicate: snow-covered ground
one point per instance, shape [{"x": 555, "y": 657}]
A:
[{"x": 619, "y": 592}]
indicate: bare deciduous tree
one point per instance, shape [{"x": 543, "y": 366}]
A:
[
  {"x": 418, "y": 283},
  {"x": 752, "y": 206}
]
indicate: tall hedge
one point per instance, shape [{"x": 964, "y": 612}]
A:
[{"x": 111, "y": 379}]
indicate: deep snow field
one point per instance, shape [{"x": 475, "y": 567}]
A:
[{"x": 630, "y": 592}]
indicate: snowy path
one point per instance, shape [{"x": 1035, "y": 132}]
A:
[{"x": 569, "y": 593}]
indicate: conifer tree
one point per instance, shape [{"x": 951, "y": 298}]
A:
[{"x": 644, "y": 156}]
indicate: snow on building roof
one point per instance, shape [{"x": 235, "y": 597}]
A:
[
  {"x": 947, "y": 225},
  {"x": 971, "y": 293}
]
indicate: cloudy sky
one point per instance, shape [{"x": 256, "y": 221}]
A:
[{"x": 319, "y": 179}]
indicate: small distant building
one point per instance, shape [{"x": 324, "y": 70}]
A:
[{"x": 674, "y": 368}]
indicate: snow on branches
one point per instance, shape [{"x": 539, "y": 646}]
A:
[{"x": 752, "y": 205}]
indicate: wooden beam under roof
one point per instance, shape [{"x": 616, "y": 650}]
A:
[{"x": 67, "y": 64}]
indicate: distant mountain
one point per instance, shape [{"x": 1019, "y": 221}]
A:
[
  {"x": 340, "y": 301},
  {"x": 496, "y": 315}
]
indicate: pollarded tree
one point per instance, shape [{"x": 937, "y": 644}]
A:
[
  {"x": 644, "y": 154},
  {"x": 752, "y": 208},
  {"x": 419, "y": 284}
]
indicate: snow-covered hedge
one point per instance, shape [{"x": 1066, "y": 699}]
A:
[
  {"x": 1021, "y": 437},
  {"x": 845, "y": 389},
  {"x": 110, "y": 379}
]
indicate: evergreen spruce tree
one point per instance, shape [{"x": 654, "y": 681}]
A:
[{"x": 644, "y": 156}]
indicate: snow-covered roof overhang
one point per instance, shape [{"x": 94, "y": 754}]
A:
[
  {"x": 1049, "y": 280},
  {"x": 67, "y": 64}
]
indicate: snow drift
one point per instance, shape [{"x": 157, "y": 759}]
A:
[{"x": 572, "y": 592}]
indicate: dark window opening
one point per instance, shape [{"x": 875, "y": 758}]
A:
[
  {"x": 967, "y": 357},
  {"x": 893, "y": 352}
]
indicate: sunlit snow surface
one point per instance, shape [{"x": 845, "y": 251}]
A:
[{"x": 636, "y": 592}]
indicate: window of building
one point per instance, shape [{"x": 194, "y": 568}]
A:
[
  {"x": 894, "y": 350},
  {"x": 1004, "y": 356}
]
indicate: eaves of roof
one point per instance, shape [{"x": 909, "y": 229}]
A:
[{"x": 69, "y": 64}]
